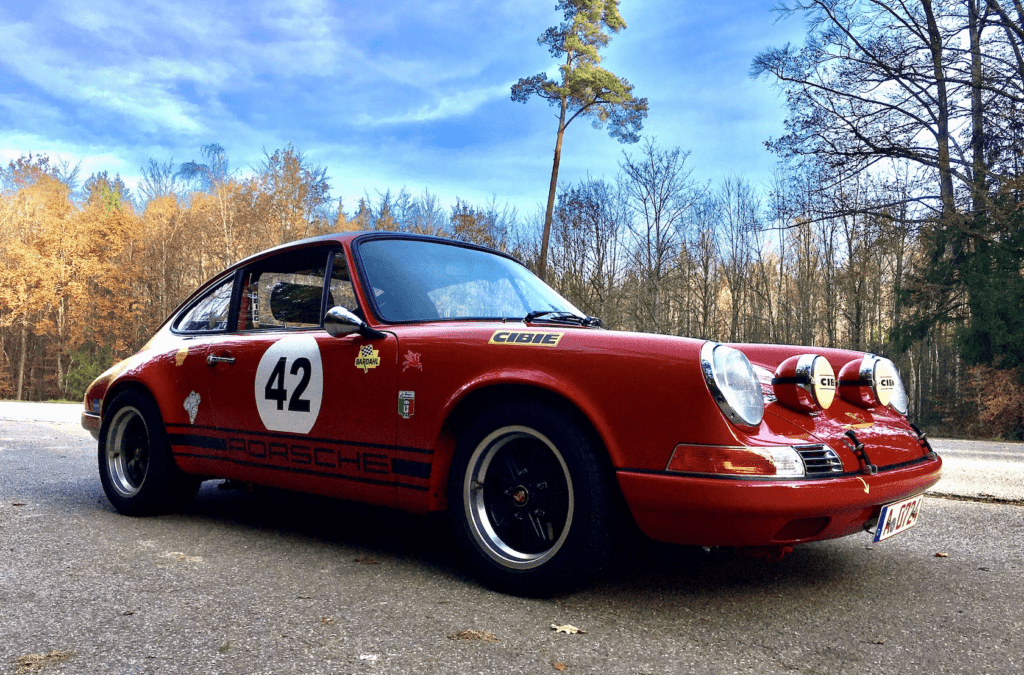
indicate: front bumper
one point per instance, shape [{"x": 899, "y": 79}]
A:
[
  {"x": 734, "y": 512},
  {"x": 91, "y": 423}
]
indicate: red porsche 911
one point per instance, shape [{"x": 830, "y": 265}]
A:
[{"x": 429, "y": 375}]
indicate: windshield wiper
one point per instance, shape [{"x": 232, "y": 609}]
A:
[{"x": 562, "y": 317}]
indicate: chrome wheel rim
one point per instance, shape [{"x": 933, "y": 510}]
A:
[
  {"x": 518, "y": 497},
  {"x": 127, "y": 451}
]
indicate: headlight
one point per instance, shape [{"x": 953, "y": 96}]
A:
[{"x": 732, "y": 383}]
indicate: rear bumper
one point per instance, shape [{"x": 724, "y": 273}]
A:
[
  {"x": 91, "y": 423},
  {"x": 732, "y": 512}
]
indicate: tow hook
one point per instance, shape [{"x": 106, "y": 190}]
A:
[{"x": 862, "y": 454}]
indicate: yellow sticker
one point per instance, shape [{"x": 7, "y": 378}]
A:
[
  {"x": 526, "y": 338},
  {"x": 368, "y": 358},
  {"x": 179, "y": 358}
]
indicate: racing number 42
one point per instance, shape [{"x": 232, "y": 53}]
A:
[{"x": 275, "y": 389}]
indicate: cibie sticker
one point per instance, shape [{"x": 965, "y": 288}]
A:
[
  {"x": 368, "y": 358},
  {"x": 527, "y": 338},
  {"x": 406, "y": 403},
  {"x": 290, "y": 384}
]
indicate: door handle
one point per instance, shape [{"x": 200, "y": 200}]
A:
[{"x": 211, "y": 359}]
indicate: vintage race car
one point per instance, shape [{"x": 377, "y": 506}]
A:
[{"x": 431, "y": 375}]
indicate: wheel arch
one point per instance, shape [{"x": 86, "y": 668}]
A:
[
  {"x": 476, "y": 400},
  {"x": 121, "y": 386}
]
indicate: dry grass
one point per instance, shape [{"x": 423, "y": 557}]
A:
[
  {"x": 33, "y": 663},
  {"x": 473, "y": 634}
]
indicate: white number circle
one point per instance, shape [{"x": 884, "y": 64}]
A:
[{"x": 290, "y": 384}]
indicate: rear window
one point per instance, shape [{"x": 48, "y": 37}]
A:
[{"x": 210, "y": 313}]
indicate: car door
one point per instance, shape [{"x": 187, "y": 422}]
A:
[{"x": 288, "y": 405}]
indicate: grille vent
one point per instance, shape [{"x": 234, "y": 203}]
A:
[{"x": 819, "y": 460}]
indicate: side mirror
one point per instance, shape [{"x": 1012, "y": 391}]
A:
[{"x": 339, "y": 322}]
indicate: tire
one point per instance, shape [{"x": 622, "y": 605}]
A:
[
  {"x": 530, "y": 501},
  {"x": 137, "y": 471}
]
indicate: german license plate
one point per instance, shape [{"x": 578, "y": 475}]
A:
[{"x": 896, "y": 518}]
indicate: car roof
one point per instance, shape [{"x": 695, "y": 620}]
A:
[{"x": 362, "y": 235}]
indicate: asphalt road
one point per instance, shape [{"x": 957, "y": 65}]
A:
[{"x": 277, "y": 583}]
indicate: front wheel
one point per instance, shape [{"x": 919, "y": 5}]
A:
[
  {"x": 529, "y": 499},
  {"x": 137, "y": 471}
]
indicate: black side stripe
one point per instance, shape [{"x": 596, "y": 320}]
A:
[
  {"x": 307, "y": 472},
  {"x": 299, "y": 437},
  {"x": 406, "y": 467},
  {"x": 197, "y": 441}
]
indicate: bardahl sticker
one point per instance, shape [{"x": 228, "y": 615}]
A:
[
  {"x": 527, "y": 338},
  {"x": 368, "y": 358}
]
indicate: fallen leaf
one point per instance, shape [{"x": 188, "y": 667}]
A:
[
  {"x": 941, "y": 555},
  {"x": 33, "y": 663},
  {"x": 366, "y": 560},
  {"x": 473, "y": 634},
  {"x": 127, "y": 612},
  {"x": 876, "y": 641},
  {"x": 559, "y": 665},
  {"x": 567, "y": 628},
  {"x": 326, "y": 620},
  {"x": 304, "y": 597},
  {"x": 178, "y": 556},
  {"x": 21, "y": 504}
]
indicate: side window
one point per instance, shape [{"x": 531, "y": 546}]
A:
[
  {"x": 210, "y": 314},
  {"x": 284, "y": 292},
  {"x": 341, "y": 285}
]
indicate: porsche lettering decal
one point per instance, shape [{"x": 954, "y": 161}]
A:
[
  {"x": 335, "y": 459},
  {"x": 526, "y": 338}
]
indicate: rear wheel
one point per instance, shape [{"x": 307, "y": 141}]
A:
[
  {"x": 529, "y": 500},
  {"x": 137, "y": 471}
]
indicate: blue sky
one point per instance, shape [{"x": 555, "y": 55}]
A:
[{"x": 384, "y": 94}]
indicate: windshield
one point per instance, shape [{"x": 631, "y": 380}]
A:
[{"x": 414, "y": 280}]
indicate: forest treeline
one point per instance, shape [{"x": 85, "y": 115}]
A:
[{"x": 894, "y": 224}]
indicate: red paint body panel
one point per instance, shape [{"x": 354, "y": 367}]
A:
[{"x": 642, "y": 394}]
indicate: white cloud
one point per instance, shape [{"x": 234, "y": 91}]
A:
[
  {"x": 453, "y": 105},
  {"x": 133, "y": 93}
]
